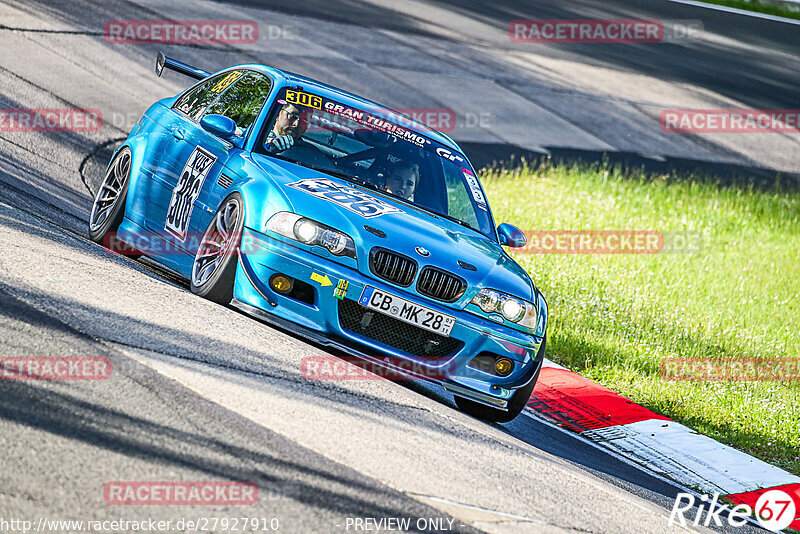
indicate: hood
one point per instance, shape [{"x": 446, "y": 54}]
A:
[{"x": 350, "y": 208}]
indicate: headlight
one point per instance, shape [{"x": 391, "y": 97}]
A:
[
  {"x": 306, "y": 231},
  {"x": 310, "y": 232},
  {"x": 511, "y": 308}
]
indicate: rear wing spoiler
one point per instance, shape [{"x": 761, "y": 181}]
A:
[{"x": 163, "y": 62}]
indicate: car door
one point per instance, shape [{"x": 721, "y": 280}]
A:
[{"x": 180, "y": 122}]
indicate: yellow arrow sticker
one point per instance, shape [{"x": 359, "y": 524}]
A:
[{"x": 322, "y": 280}]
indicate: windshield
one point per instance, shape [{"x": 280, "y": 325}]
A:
[{"x": 376, "y": 152}]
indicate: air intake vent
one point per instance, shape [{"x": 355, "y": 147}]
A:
[
  {"x": 410, "y": 339},
  {"x": 224, "y": 181},
  {"x": 440, "y": 285},
  {"x": 392, "y": 266}
]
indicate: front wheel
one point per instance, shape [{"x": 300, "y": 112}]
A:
[
  {"x": 515, "y": 406},
  {"x": 214, "y": 268}
]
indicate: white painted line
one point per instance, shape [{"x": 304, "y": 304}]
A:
[
  {"x": 693, "y": 459},
  {"x": 554, "y": 365},
  {"x": 726, "y": 9},
  {"x": 627, "y": 461}
]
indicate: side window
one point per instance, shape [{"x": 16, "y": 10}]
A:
[
  {"x": 242, "y": 100},
  {"x": 459, "y": 204},
  {"x": 194, "y": 101}
]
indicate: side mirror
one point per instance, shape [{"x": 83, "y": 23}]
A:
[
  {"x": 511, "y": 236},
  {"x": 219, "y": 125}
]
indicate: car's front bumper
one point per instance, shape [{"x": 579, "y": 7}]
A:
[{"x": 261, "y": 257}]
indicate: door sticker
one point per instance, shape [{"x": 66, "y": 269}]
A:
[{"x": 187, "y": 190}]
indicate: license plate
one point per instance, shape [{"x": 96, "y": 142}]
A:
[{"x": 406, "y": 311}]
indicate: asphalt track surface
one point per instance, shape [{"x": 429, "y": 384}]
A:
[{"x": 202, "y": 392}]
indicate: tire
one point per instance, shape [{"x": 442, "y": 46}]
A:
[
  {"x": 108, "y": 208},
  {"x": 515, "y": 406},
  {"x": 214, "y": 267}
]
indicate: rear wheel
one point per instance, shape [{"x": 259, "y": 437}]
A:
[
  {"x": 214, "y": 268},
  {"x": 108, "y": 209},
  {"x": 515, "y": 405}
]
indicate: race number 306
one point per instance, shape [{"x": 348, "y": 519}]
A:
[{"x": 304, "y": 99}]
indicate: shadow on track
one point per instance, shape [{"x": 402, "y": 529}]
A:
[{"x": 229, "y": 448}]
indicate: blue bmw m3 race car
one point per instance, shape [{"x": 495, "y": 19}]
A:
[{"x": 333, "y": 216}]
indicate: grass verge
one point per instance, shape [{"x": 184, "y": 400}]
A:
[
  {"x": 615, "y": 318},
  {"x": 770, "y": 8}
]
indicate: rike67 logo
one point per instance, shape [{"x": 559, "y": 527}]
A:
[
  {"x": 186, "y": 191},
  {"x": 775, "y": 510}
]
